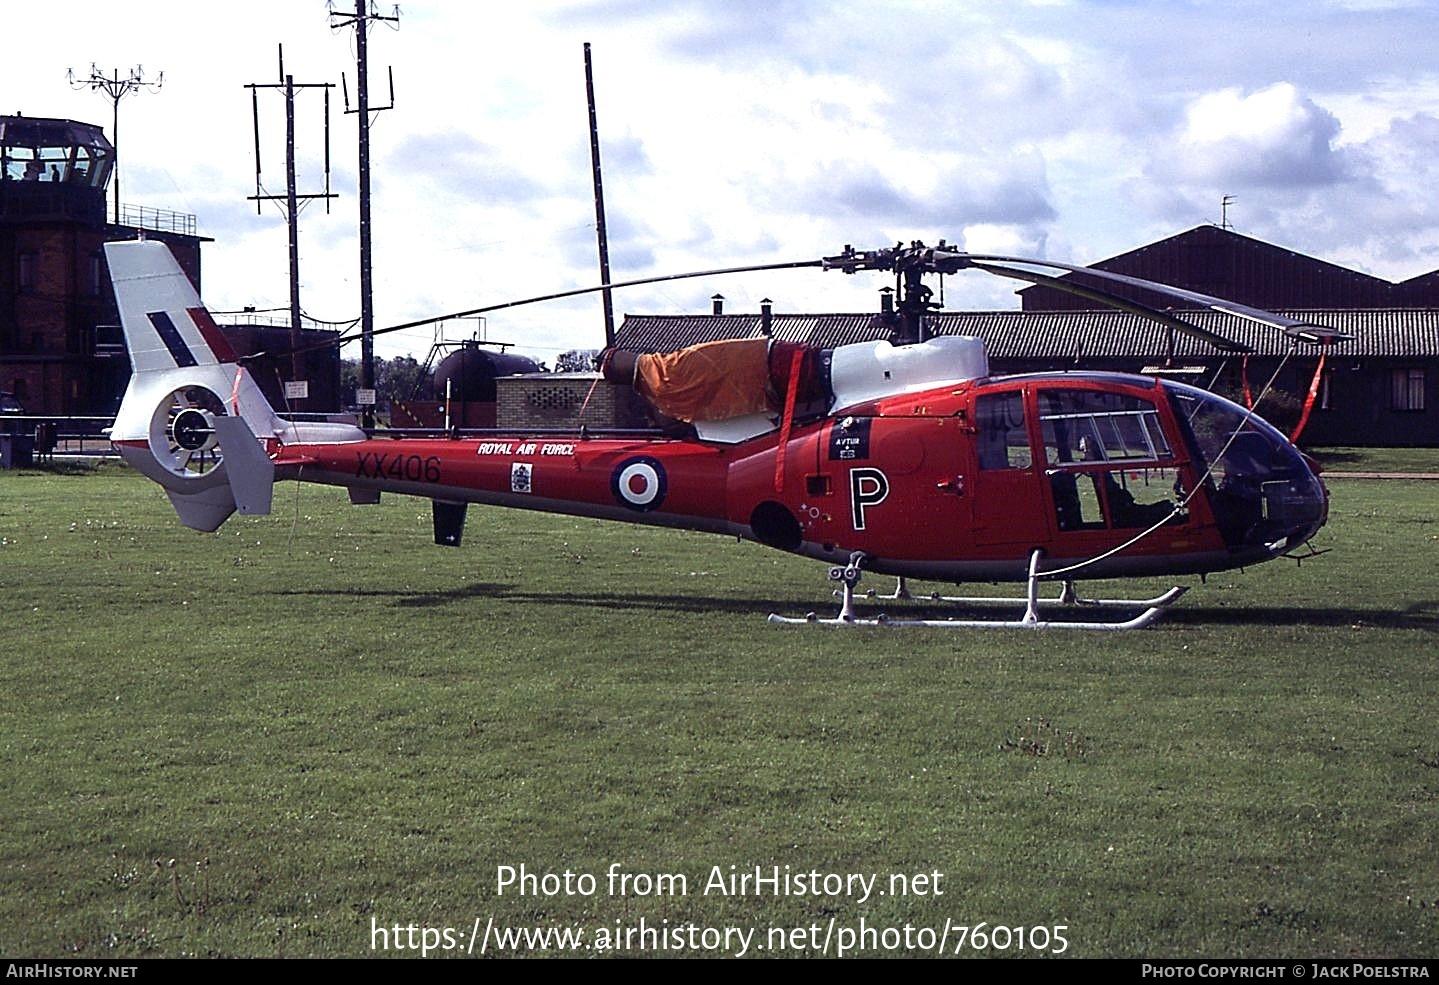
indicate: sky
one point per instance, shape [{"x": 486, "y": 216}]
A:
[{"x": 741, "y": 132}]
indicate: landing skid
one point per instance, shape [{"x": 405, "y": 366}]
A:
[
  {"x": 848, "y": 576},
  {"x": 1067, "y": 596}
]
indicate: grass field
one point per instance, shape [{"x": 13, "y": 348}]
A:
[
  {"x": 273, "y": 739},
  {"x": 1378, "y": 459}
]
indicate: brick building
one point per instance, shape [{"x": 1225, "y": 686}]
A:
[
  {"x": 61, "y": 350},
  {"x": 60, "y": 346}
]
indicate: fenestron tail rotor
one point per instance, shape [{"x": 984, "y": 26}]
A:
[{"x": 183, "y": 435}]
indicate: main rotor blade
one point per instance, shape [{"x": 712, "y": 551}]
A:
[
  {"x": 942, "y": 260},
  {"x": 1296, "y": 328},
  {"x": 754, "y": 268},
  {"x": 1219, "y": 342}
]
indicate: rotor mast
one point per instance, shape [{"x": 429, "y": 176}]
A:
[{"x": 909, "y": 264}]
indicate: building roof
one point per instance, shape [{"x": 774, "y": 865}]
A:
[
  {"x": 30, "y": 132},
  {"x": 1067, "y": 335},
  {"x": 666, "y": 333},
  {"x": 1386, "y": 319},
  {"x": 1226, "y": 264}
]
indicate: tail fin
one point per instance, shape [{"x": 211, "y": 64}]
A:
[{"x": 191, "y": 417}]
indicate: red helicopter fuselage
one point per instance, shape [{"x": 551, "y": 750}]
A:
[
  {"x": 903, "y": 459},
  {"x": 961, "y": 482}
]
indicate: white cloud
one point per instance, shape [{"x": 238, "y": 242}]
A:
[
  {"x": 749, "y": 132},
  {"x": 1276, "y": 137}
]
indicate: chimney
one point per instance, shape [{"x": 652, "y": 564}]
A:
[
  {"x": 766, "y": 317},
  {"x": 718, "y": 301},
  {"x": 886, "y": 300}
]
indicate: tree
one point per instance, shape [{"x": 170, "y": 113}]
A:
[
  {"x": 577, "y": 361},
  {"x": 395, "y": 379}
]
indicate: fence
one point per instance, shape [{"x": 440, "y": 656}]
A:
[
  {"x": 159, "y": 220},
  {"x": 52, "y": 435}
]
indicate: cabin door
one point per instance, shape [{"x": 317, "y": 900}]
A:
[{"x": 1006, "y": 489}]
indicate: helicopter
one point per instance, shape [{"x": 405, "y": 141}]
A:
[{"x": 903, "y": 458}]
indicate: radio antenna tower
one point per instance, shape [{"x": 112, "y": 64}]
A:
[
  {"x": 360, "y": 21},
  {"x": 116, "y": 88},
  {"x": 291, "y": 199}
]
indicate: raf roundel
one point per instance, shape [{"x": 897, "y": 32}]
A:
[{"x": 639, "y": 483}]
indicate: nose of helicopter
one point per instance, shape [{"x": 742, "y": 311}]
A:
[
  {"x": 1270, "y": 497},
  {"x": 1304, "y": 507}
]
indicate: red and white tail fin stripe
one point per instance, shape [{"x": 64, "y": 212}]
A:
[
  {"x": 174, "y": 343},
  {"x": 192, "y": 419}
]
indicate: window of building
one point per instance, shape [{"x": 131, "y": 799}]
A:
[
  {"x": 26, "y": 271},
  {"x": 1406, "y": 389}
]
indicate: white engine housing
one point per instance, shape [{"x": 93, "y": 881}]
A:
[{"x": 869, "y": 370}]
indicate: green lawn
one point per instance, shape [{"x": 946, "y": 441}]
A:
[
  {"x": 1378, "y": 459},
  {"x": 274, "y": 739}
]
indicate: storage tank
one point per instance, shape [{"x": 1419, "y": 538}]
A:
[{"x": 470, "y": 372}]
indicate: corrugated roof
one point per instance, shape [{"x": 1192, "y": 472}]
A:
[
  {"x": 1395, "y": 333},
  {"x": 1227, "y": 264},
  {"x": 1390, "y": 332},
  {"x": 665, "y": 333}
]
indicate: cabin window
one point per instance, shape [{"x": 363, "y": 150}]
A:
[
  {"x": 1093, "y": 426},
  {"x": 1076, "y": 501},
  {"x": 1101, "y": 447},
  {"x": 1406, "y": 389},
  {"x": 1122, "y": 498},
  {"x": 1003, "y": 437}
]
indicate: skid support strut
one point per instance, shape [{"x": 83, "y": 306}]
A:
[{"x": 849, "y": 575}]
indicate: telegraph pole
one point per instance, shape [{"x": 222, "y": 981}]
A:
[
  {"x": 360, "y": 22},
  {"x": 291, "y": 198},
  {"x": 601, "y": 234},
  {"x": 117, "y": 89}
]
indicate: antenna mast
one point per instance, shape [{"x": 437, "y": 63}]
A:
[
  {"x": 360, "y": 22},
  {"x": 601, "y": 234},
  {"x": 291, "y": 198},
  {"x": 117, "y": 89}
]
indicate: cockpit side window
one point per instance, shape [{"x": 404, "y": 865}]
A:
[
  {"x": 1260, "y": 489},
  {"x": 1091, "y": 426},
  {"x": 1003, "y": 437},
  {"x": 1103, "y": 449}
]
